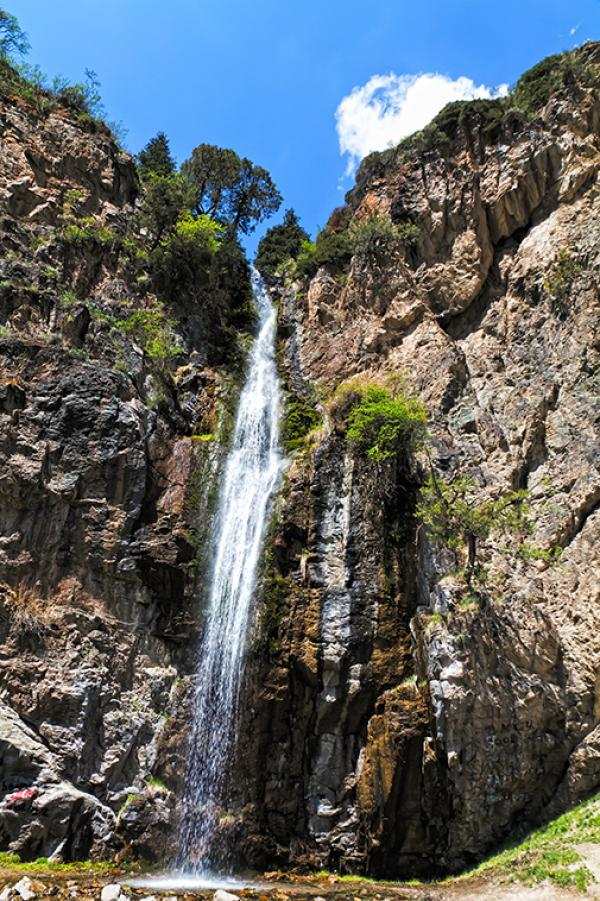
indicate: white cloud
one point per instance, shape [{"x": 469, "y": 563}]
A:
[
  {"x": 575, "y": 28},
  {"x": 381, "y": 112}
]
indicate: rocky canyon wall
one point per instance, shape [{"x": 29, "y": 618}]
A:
[
  {"x": 393, "y": 724},
  {"x": 103, "y": 487},
  {"x": 402, "y": 724}
]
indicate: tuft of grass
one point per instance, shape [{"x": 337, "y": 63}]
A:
[{"x": 155, "y": 782}]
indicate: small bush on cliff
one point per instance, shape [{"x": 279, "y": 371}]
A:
[
  {"x": 382, "y": 422},
  {"x": 378, "y": 236},
  {"x": 451, "y": 513},
  {"x": 299, "y": 419},
  {"x": 154, "y": 331},
  {"x": 88, "y": 232},
  {"x": 280, "y": 244},
  {"x": 561, "y": 277},
  {"x": 82, "y": 97},
  {"x": 330, "y": 249}
]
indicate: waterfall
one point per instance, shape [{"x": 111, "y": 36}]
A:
[{"x": 250, "y": 477}]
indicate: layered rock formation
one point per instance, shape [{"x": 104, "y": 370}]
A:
[
  {"x": 404, "y": 725},
  {"x": 100, "y": 500},
  {"x": 392, "y": 724}
]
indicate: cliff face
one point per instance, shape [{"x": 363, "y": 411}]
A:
[
  {"x": 100, "y": 506},
  {"x": 392, "y": 724},
  {"x": 404, "y": 724}
]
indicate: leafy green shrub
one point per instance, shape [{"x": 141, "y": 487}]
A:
[
  {"x": 181, "y": 263},
  {"x": 280, "y": 244},
  {"x": 154, "y": 331},
  {"x": 88, "y": 233},
  {"x": 379, "y": 423},
  {"x": 299, "y": 419},
  {"x": 330, "y": 249},
  {"x": 377, "y": 236}
]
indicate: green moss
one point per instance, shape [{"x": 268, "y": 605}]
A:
[
  {"x": 299, "y": 419},
  {"x": 133, "y": 796},
  {"x": 208, "y": 436},
  {"x": 275, "y": 599},
  {"x": 154, "y": 782},
  {"x": 14, "y": 862}
]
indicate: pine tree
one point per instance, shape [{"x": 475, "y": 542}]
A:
[
  {"x": 155, "y": 158},
  {"x": 280, "y": 244}
]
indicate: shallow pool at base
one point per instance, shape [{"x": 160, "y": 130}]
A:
[{"x": 193, "y": 882}]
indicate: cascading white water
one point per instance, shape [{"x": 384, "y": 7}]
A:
[{"x": 249, "y": 480}]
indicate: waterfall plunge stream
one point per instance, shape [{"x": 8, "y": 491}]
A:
[{"x": 249, "y": 481}]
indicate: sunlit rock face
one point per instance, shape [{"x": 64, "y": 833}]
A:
[
  {"x": 100, "y": 508},
  {"x": 390, "y": 725},
  {"x": 366, "y": 767}
]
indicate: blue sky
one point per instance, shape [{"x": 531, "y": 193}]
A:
[{"x": 267, "y": 76}]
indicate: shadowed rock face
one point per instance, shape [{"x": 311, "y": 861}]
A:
[
  {"x": 377, "y": 736},
  {"x": 364, "y": 766}
]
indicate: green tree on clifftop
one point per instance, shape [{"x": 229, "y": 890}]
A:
[
  {"x": 156, "y": 157},
  {"x": 280, "y": 244},
  {"x": 13, "y": 40},
  {"x": 230, "y": 189}
]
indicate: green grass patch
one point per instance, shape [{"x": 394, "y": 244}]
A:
[
  {"x": 155, "y": 782},
  {"x": 548, "y": 854},
  {"x": 14, "y": 862}
]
